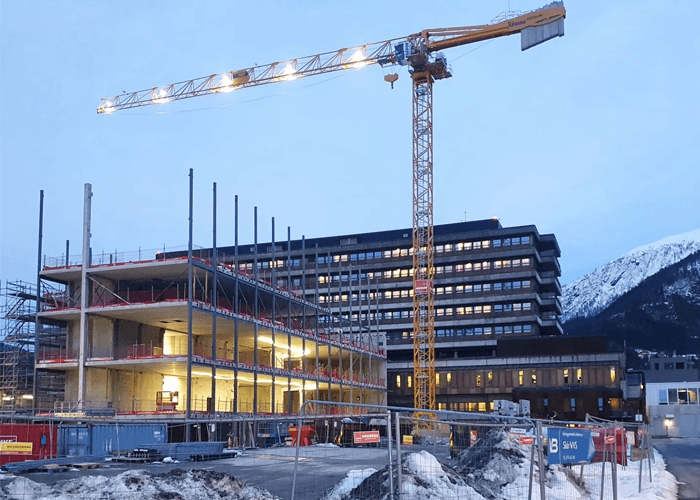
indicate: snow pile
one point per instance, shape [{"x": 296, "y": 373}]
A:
[
  {"x": 595, "y": 291},
  {"x": 355, "y": 477},
  {"x": 138, "y": 484},
  {"x": 496, "y": 468},
  {"x": 428, "y": 479}
]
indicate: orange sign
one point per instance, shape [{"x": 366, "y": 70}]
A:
[
  {"x": 364, "y": 437},
  {"x": 525, "y": 440}
]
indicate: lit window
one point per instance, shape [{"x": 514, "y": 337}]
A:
[
  {"x": 489, "y": 377},
  {"x": 534, "y": 378},
  {"x": 579, "y": 375},
  {"x": 478, "y": 380},
  {"x": 566, "y": 375},
  {"x": 612, "y": 374},
  {"x": 449, "y": 377},
  {"x": 398, "y": 381},
  {"x": 482, "y": 406},
  {"x": 521, "y": 377},
  {"x": 409, "y": 381},
  {"x": 437, "y": 380}
]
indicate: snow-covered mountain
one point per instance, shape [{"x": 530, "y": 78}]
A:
[{"x": 594, "y": 292}]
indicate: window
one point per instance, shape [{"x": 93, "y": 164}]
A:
[
  {"x": 663, "y": 397},
  {"x": 612, "y": 374},
  {"x": 566, "y": 375},
  {"x": 496, "y": 243},
  {"x": 673, "y": 396},
  {"x": 398, "y": 381},
  {"x": 680, "y": 366},
  {"x": 437, "y": 380},
  {"x": 682, "y": 396},
  {"x": 449, "y": 377},
  {"x": 489, "y": 377},
  {"x": 521, "y": 378},
  {"x": 409, "y": 381},
  {"x": 573, "y": 404},
  {"x": 482, "y": 405},
  {"x": 478, "y": 380},
  {"x": 600, "y": 404},
  {"x": 579, "y": 375}
]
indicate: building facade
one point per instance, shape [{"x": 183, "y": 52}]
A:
[{"x": 495, "y": 288}]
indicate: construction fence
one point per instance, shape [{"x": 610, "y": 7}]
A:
[{"x": 389, "y": 453}]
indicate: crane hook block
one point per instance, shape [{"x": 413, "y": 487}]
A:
[{"x": 391, "y": 78}]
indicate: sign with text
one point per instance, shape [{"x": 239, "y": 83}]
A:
[
  {"x": 15, "y": 448},
  {"x": 526, "y": 440},
  {"x": 407, "y": 439},
  {"x": 364, "y": 437},
  {"x": 569, "y": 446}
]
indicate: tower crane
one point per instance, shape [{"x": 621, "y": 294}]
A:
[{"x": 426, "y": 64}]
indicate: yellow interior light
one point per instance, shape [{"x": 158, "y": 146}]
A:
[{"x": 27, "y": 396}]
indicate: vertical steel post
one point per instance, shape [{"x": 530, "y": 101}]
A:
[
  {"x": 190, "y": 297},
  {"x": 256, "y": 311},
  {"x": 532, "y": 470},
  {"x": 540, "y": 459},
  {"x": 273, "y": 353},
  {"x": 236, "y": 308},
  {"x": 391, "y": 465},
  {"x": 398, "y": 451},
  {"x": 37, "y": 320},
  {"x": 214, "y": 302},
  {"x": 84, "y": 295}
]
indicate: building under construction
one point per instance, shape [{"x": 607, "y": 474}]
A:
[{"x": 178, "y": 335}]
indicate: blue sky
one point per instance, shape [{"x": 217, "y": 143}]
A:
[{"x": 592, "y": 137}]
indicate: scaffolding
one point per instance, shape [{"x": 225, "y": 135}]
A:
[
  {"x": 18, "y": 334},
  {"x": 17, "y": 345}
]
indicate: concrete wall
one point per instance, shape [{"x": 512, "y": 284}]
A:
[
  {"x": 100, "y": 336},
  {"x": 675, "y": 420}
]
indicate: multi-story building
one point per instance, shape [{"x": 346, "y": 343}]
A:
[
  {"x": 178, "y": 335},
  {"x": 495, "y": 288}
]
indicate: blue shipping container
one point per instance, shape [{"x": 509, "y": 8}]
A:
[{"x": 102, "y": 439}]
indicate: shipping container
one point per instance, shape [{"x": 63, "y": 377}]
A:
[
  {"x": 19, "y": 442},
  {"x": 103, "y": 439}
]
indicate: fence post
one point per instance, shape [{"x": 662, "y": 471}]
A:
[
  {"x": 540, "y": 452},
  {"x": 398, "y": 451},
  {"x": 602, "y": 473},
  {"x": 650, "y": 452},
  {"x": 391, "y": 466},
  {"x": 614, "y": 463},
  {"x": 642, "y": 440},
  {"x": 296, "y": 456},
  {"x": 532, "y": 469}
]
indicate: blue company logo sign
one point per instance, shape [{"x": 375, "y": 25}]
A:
[{"x": 569, "y": 446}]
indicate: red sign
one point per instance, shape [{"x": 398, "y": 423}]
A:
[
  {"x": 472, "y": 438},
  {"x": 609, "y": 439},
  {"x": 523, "y": 440},
  {"x": 364, "y": 437}
]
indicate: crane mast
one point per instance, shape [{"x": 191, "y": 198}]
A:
[{"x": 426, "y": 65}]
